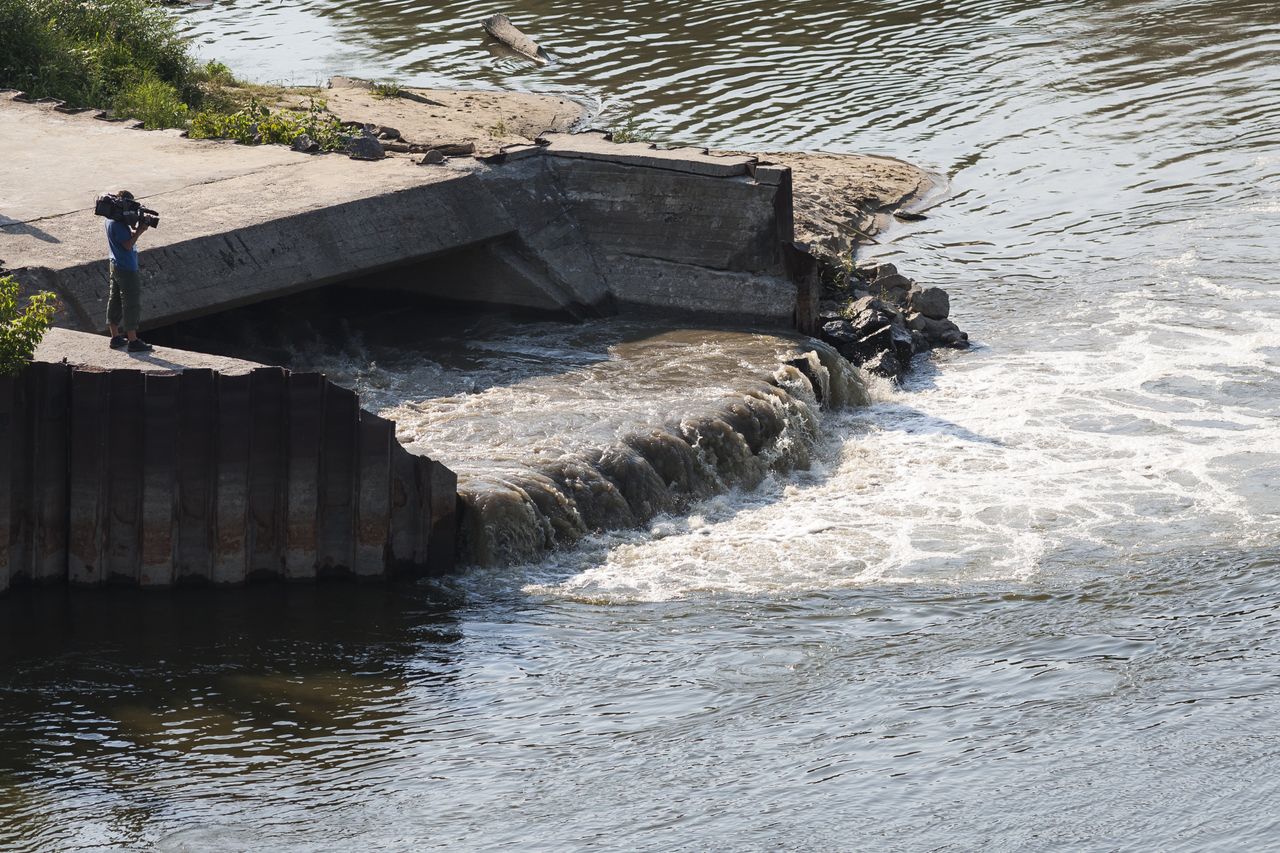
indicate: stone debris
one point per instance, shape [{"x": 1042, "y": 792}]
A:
[
  {"x": 365, "y": 148},
  {"x": 883, "y": 319}
]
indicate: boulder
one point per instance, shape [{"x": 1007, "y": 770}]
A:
[
  {"x": 919, "y": 342},
  {"x": 916, "y": 322},
  {"x": 885, "y": 364},
  {"x": 365, "y": 148},
  {"x": 388, "y": 133},
  {"x": 936, "y": 330},
  {"x": 932, "y": 302},
  {"x": 305, "y": 144},
  {"x": 431, "y": 158}
]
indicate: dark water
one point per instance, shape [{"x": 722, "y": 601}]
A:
[{"x": 1032, "y": 603}]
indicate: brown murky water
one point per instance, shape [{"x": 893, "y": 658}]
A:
[{"x": 1031, "y": 603}]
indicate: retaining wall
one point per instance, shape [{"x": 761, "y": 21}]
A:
[{"x": 152, "y": 479}]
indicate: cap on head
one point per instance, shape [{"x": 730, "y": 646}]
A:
[{"x": 125, "y": 194}]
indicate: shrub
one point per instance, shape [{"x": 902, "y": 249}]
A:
[
  {"x": 21, "y": 328},
  {"x": 154, "y": 102},
  {"x": 89, "y": 52}
]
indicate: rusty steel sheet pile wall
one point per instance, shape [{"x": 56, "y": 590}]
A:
[{"x": 154, "y": 479}]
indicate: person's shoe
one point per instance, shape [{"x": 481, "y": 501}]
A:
[
  {"x": 119, "y": 341},
  {"x": 139, "y": 345}
]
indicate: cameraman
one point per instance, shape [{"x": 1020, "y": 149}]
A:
[{"x": 126, "y": 283}]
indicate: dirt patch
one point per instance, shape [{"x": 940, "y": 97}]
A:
[{"x": 435, "y": 117}]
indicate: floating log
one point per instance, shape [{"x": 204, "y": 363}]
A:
[{"x": 500, "y": 27}]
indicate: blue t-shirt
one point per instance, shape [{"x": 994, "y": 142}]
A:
[{"x": 117, "y": 235}]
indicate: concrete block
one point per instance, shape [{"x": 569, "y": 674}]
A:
[
  {"x": 50, "y": 478},
  {"x": 723, "y": 224},
  {"x": 230, "y": 562},
  {"x": 690, "y": 161},
  {"x": 123, "y": 487},
  {"x": 338, "y": 483},
  {"x": 6, "y": 475},
  {"x": 159, "y": 479},
  {"x": 89, "y": 435},
  {"x": 771, "y": 175},
  {"x": 442, "y": 540},
  {"x": 197, "y": 475},
  {"x": 373, "y": 513},
  {"x": 268, "y": 471},
  {"x": 306, "y": 392},
  {"x": 409, "y": 514}
]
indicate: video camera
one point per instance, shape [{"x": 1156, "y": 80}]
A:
[{"x": 126, "y": 210}]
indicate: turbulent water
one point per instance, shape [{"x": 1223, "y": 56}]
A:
[{"x": 1029, "y": 601}]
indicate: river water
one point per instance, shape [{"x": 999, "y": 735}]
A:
[{"x": 1029, "y": 601}]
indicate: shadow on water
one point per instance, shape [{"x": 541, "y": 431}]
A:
[{"x": 101, "y": 687}]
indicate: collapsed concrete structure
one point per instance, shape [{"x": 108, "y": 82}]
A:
[
  {"x": 574, "y": 225},
  {"x": 241, "y": 472}
]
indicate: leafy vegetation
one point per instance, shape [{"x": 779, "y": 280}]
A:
[
  {"x": 256, "y": 124},
  {"x": 128, "y": 56},
  {"x": 21, "y": 327},
  {"x": 93, "y": 52}
]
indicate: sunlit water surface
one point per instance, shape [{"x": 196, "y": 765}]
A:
[{"x": 1030, "y": 601}]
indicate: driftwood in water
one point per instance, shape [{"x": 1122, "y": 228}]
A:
[{"x": 501, "y": 28}]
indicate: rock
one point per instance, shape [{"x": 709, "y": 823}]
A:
[
  {"x": 365, "y": 148},
  {"x": 932, "y": 302},
  {"x": 919, "y": 342},
  {"x": 885, "y": 364},
  {"x": 903, "y": 345},
  {"x": 908, "y": 216},
  {"x": 956, "y": 340},
  {"x": 916, "y": 322},
  {"x": 893, "y": 288},
  {"x": 828, "y": 306},
  {"x": 431, "y": 158},
  {"x": 397, "y": 147},
  {"x": 938, "y": 329},
  {"x": 305, "y": 144},
  {"x": 388, "y": 133}
]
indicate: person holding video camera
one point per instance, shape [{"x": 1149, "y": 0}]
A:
[{"x": 124, "y": 308}]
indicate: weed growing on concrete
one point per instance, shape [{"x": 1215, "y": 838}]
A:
[
  {"x": 389, "y": 89},
  {"x": 21, "y": 327},
  {"x": 629, "y": 131}
]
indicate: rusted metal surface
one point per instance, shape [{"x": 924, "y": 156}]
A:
[{"x": 154, "y": 478}]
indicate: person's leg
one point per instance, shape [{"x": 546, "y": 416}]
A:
[
  {"x": 114, "y": 309},
  {"x": 131, "y": 290},
  {"x": 131, "y": 294}
]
